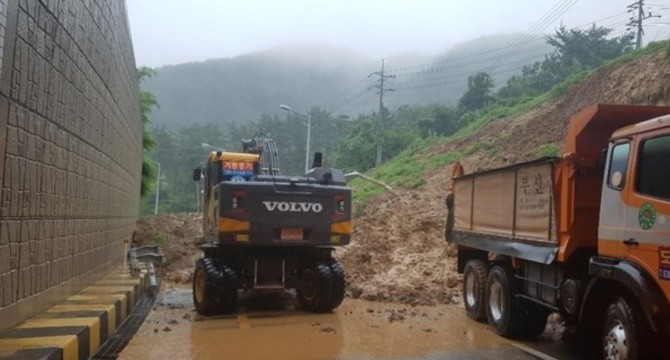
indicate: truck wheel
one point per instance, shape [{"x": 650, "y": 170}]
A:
[
  {"x": 500, "y": 307},
  {"x": 624, "y": 335},
  {"x": 316, "y": 292},
  {"x": 206, "y": 293},
  {"x": 474, "y": 289},
  {"x": 339, "y": 283}
]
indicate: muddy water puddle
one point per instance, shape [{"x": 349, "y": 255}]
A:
[{"x": 271, "y": 326}]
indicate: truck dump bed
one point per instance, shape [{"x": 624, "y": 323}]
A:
[
  {"x": 546, "y": 209},
  {"x": 512, "y": 203}
]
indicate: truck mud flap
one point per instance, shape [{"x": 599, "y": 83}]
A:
[{"x": 544, "y": 254}]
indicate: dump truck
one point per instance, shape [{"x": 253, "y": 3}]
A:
[
  {"x": 267, "y": 231},
  {"x": 585, "y": 235}
]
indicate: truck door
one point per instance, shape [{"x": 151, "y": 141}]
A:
[
  {"x": 613, "y": 214},
  {"x": 647, "y": 237}
]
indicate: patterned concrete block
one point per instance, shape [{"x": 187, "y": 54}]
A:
[{"x": 72, "y": 162}]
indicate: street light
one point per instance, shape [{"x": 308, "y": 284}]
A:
[
  {"x": 158, "y": 187},
  {"x": 208, "y": 146},
  {"x": 309, "y": 131}
]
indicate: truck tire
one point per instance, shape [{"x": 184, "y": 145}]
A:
[
  {"x": 316, "y": 292},
  {"x": 339, "y": 283},
  {"x": 501, "y": 310},
  {"x": 625, "y": 334},
  {"x": 206, "y": 293},
  {"x": 474, "y": 289}
]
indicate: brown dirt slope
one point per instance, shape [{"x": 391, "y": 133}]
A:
[
  {"x": 178, "y": 236},
  {"x": 398, "y": 252}
]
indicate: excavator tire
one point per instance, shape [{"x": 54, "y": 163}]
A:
[
  {"x": 316, "y": 292},
  {"x": 205, "y": 292},
  {"x": 338, "y": 283}
]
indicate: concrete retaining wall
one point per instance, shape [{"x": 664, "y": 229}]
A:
[{"x": 70, "y": 147}]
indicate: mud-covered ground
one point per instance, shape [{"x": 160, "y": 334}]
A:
[
  {"x": 271, "y": 325},
  {"x": 178, "y": 236}
]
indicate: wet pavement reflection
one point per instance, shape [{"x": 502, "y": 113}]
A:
[{"x": 271, "y": 325}]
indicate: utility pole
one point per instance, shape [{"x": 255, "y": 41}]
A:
[
  {"x": 636, "y": 22},
  {"x": 382, "y": 89}
]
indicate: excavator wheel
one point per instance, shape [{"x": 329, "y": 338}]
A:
[
  {"x": 228, "y": 288},
  {"x": 205, "y": 292},
  {"x": 316, "y": 292},
  {"x": 214, "y": 287},
  {"x": 338, "y": 283}
]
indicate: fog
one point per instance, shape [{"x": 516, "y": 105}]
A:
[{"x": 175, "y": 31}]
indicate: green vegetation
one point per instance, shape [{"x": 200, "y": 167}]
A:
[
  {"x": 547, "y": 150},
  {"x": 160, "y": 238},
  {"x": 147, "y": 103},
  {"x": 575, "y": 50},
  {"x": 437, "y": 161},
  {"x": 479, "y": 93},
  {"x": 405, "y": 170}
]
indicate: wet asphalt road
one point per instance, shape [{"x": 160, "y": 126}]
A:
[{"x": 270, "y": 326}]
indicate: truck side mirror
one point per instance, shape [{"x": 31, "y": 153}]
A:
[{"x": 197, "y": 174}]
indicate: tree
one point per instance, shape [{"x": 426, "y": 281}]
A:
[
  {"x": 357, "y": 150},
  {"x": 575, "y": 50},
  {"x": 147, "y": 102},
  {"x": 590, "y": 48},
  {"x": 478, "y": 95}
]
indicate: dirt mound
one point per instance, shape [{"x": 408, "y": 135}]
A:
[
  {"x": 178, "y": 236},
  {"x": 399, "y": 254},
  {"x": 389, "y": 261}
]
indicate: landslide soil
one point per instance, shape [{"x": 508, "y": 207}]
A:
[
  {"x": 178, "y": 236},
  {"x": 398, "y": 252}
]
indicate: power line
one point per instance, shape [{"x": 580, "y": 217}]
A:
[
  {"x": 362, "y": 101},
  {"x": 556, "y": 11},
  {"x": 495, "y": 55},
  {"x": 344, "y": 92},
  {"x": 435, "y": 81},
  {"x": 350, "y": 99}
]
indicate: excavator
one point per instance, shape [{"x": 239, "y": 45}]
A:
[{"x": 267, "y": 231}]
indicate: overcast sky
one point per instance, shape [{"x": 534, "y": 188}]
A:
[{"x": 177, "y": 31}]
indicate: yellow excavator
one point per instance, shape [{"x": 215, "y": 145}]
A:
[{"x": 268, "y": 231}]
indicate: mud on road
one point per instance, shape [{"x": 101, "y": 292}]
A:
[{"x": 271, "y": 325}]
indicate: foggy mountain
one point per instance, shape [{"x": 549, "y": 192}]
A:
[{"x": 243, "y": 88}]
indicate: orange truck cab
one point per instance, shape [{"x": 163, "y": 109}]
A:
[{"x": 585, "y": 235}]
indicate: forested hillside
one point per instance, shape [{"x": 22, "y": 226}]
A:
[{"x": 244, "y": 88}]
